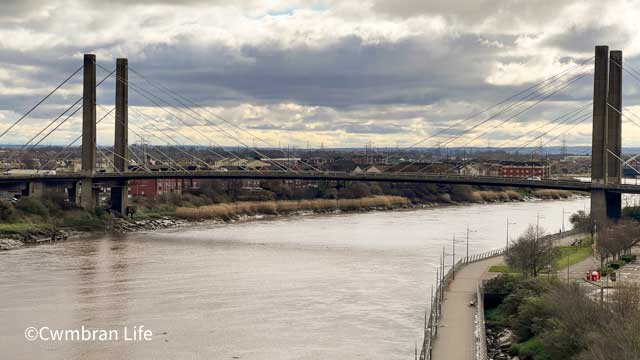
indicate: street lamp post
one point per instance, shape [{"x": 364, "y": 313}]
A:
[
  {"x": 468, "y": 231},
  {"x": 508, "y": 223},
  {"x": 538, "y": 217},
  {"x": 453, "y": 264}
]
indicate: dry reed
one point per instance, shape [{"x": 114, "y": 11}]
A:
[{"x": 229, "y": 210}]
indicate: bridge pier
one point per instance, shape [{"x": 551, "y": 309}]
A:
[
  {"x": 34, "y": 188},
  {"x": 606, "y": 206},
  {"x": 120, "y": 193},
  {"x": 72, "y": 194},
  {"x": 88, "y": 194}
]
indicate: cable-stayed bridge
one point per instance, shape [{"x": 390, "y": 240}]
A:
[{"x": 605, "y": 112}]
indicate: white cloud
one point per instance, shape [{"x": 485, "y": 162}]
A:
[{"x": 333, "y": 72}]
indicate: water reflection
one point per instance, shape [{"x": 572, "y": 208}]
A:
[{"x": 348, "y": 287}]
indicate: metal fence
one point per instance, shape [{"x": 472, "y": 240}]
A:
[{"x": 431, "y": 323}]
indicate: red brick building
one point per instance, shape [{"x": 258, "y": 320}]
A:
[
  {"x": 157, "y": 187},
  {"x": 525, "y": 170}
]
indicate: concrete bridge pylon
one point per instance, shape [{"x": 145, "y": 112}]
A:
[
  {"x": 606, "y": 146},
  {"x": 88, "y": 195},
  {"x": 120, "y": 192}
]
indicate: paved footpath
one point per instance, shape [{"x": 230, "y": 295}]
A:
[
  {"x": 456, "y": 339},
  {"x": 456, "y": 335}
]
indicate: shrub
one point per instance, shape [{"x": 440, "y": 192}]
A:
[
  {"x": 31, "y": 205},
  {"x": 632, "y": 212},
  {"x": 7, "y": 211},
  {"x": 532, "y": 349},
  {"x": 615, "y": 265},
  {"x": 83, "y": 221}
]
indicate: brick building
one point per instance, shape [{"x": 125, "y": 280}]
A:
[
  {"x": 525, "y": 170},
  {"x": 157, "y": 187}
]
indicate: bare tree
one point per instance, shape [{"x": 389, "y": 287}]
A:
[
  {"x": 617, "y": 239},
  {"x": 532, "y": 252},
  {"x": 583, "y": 222},
  {"x": 617, "y": 334}
]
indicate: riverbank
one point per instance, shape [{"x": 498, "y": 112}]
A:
[{"x": 35, "y": 221}]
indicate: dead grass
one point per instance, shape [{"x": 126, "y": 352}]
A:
[
  {"x": 229, "y": 210},
  {"x": 496, "y": 196},
  {"x": 551, "y": 194}
]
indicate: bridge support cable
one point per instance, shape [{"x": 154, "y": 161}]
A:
[
  {"x": 59, "y": 117},
  {"x": 140, "y": 91},
  {"x": 144, "y": 93},
  {"x": 277, "y": 164},
  {"x": 176, "y": 146},
  {"x": 29, "y": 146},
  {"x": 177, "y": 98},
  {"x": 34, "y": 107},
  {"x": 570, "y": 120},
  {"x": 575, "y": 121},
  {"x": 55, "y": 156},
  {"x": 537, "y": 100},
  {"x": 142, "y": 163},
  {"x": 150, "y": 120},
  {"x": 169, "y": 158},
  {"x": 534, "y": 95},
  {"x": 573, "y": 125},
  {"x": 531, "y": 89},
  {"x": 106, "y": 158},
  {"x": 557, "y": 121},
  {"x": 563, "y": 87},
  {"x": 140, "y": 136}
]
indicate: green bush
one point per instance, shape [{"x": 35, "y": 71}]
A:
[
  {"x": 532, "y": 349},
  {"x": 628, "y": 258},
  {"x": 7, "y": 211},
  {"x": 56, "y": 202},
  {"x": 31, "y": 205},
  {"x": 615, "y": 265},
  {"x": 531, "y": 319},
  {"x": 632, "y": 212},
  {"x": 83, "y": 221}
]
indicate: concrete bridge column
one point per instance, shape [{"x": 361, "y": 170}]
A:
[
  {"x": 120, "y": 193},
  {"x": 88, "y": 195},
  {"x": 606, "y": 136},
  {"x": 72, "y": 194},
  {"x": 599, "y": 135},
  {"x": 87, "y": 199},
  {"x": 614, "y": 133},
  {"x": 34, "y": 188}
]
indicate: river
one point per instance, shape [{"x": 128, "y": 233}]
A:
[{"x": 311, "y": 287}]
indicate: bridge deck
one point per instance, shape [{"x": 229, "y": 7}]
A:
[{"x": 327, "y": 175}]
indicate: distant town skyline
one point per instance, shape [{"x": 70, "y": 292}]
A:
[{"x": 337, "y": 73}]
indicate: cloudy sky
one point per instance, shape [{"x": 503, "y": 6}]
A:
[{"x": 336, "y": 73}]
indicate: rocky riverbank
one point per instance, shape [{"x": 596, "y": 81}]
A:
[
  {"x": 10, "y": 244},
  {"x": 235, "y": 212},
  {"x": 499, "y": 343}
]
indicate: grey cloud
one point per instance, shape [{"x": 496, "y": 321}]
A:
[
  {"x": 472, "y": 12},
  {"x": 579, "y": 39}
]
